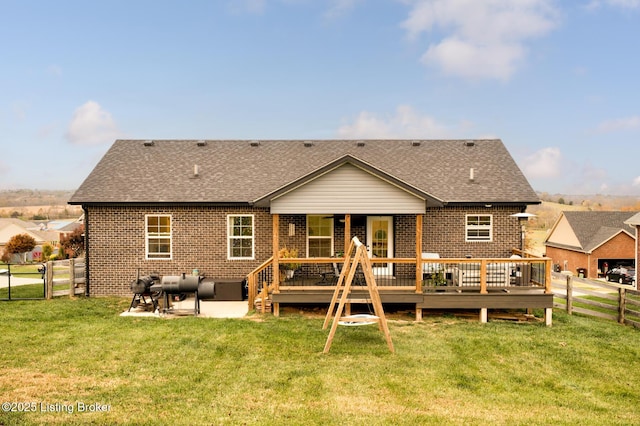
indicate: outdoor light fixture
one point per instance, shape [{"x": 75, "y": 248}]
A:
[{"x": 523, "y": 217}]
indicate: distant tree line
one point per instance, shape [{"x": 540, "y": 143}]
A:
[{"x": 33, "y": 197}]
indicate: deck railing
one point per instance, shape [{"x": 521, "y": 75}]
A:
[{"x": 481, "y": 275}]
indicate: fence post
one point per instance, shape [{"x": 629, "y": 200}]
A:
[
  {"x": 49, "y": 278},
  {"x": 72, "y": 278},
  {"x": 569, "y": 294},
  {"x": 622, "y": 304}
]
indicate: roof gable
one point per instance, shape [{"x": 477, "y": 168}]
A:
[
  {"x": 589, "y": 229},
  {"x": 233, "y": 171},
  {"x": 347, "y": 189},
  {"x": 563, "y": 233}
]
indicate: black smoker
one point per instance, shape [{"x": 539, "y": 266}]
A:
[
  {"x": 180, "y": 285},
  {"x": 141, "y": 289}
]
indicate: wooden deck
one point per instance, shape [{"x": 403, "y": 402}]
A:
[
  {"x": 460, "y": 284},
  {"x": 498, "y": 299}
]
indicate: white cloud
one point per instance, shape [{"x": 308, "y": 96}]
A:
[
  {"x": 406, "y": 123},
  {"x": 624, "y": 4},
  {"x": 482, "y": 38},
  {"x": 469, "y": 60},
  {"x": 339, "y": 8},
  {"x": 545, "y": 163},
  {"x": 619, "y": 124},
  {"x": 92, "y": 125},
  {"x": 636, "y": 181}
]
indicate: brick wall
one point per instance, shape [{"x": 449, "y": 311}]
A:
[
  {"x": 117, "y": 244},
  {"x": 117, "y": 240},
  {"x": 573, "y": 259},
  {"x": 637, "y": 254},
  {"x": 444, "y": 232}
]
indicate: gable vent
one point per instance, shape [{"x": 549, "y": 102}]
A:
[
  {"x": 148, "y": 143},
  {"x": 254, "y": 143},
  {"x": 201, "y": 143}
]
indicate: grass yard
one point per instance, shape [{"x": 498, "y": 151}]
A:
[{"x": 80, "y": 355}]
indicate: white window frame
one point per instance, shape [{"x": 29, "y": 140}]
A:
[
  {"x": 231, "y": 237},
  {"x": 158, "y": 235},
  {"x": 480, "y": 227},
  {"x": 310, "y": 237}
]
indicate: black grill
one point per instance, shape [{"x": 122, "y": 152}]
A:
[
  {"x": 149, "y": 289},
  {"x": 142, "y": 292}
]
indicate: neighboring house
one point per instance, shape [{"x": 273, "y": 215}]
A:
[
  {"x": 591, "y": 242},
  {"x": 65, "y": 227},
  {"x": 634, "y": 222},
  {"x": 12, "y": 227},
  {"x": 226, "y": 207}
]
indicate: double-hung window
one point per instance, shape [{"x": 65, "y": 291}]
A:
[
  {"x": 479, "y": 227},
  {"x": 240, "y": 236},
  {"x": 319, "y": 236},
  {"x": 158, "y": 236}
]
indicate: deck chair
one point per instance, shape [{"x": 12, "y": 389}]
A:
[
  {"x": 331, "y": 277},
  {"x": 430, "y": 268}
]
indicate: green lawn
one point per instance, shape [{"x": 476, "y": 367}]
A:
[{"x": 65, "y": 354}]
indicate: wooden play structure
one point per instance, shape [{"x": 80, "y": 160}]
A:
[{"x": 355, "y": 255}]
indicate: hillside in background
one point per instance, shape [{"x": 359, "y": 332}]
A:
[
  {"x": 28, "y": 204},
  {"x": 553, "y": 205},
  {"x": 33, "y": 197}
]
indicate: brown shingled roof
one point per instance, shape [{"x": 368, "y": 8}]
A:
[
  {"x": 593, "y": 228},
  {"x": 241, "y": 171}
]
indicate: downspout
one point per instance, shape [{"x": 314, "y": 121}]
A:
[{"x": 87, "y": 293}]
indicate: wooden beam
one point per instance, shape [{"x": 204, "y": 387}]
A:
[
  {"x": 72, "y": 278},
  {"x": 347, "y": 232},
  {"x": 419, "y": 253},
  {"x": 276, "y": 249},
  {"x": 343, "y": 291},
  {"x": 547, "y": 278},
  {"x": 483, "y": 276}
]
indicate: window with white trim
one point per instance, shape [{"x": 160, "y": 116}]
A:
[
  {"x": 319, "y": 236},
  {"x": 240, "y": 236},
  {"x": 158, "y": 236},
  {"x": 479, "y": 227}
]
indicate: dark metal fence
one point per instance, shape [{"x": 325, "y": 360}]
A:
[
  {"x": 42, "y": 281},
  {"x": 22, "y": 282}
]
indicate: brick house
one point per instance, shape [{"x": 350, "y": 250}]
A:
[
  {"x": 634, "y": 222},
  {"x": 591, "y": 242},
  {"x": 224, "y": 207}
]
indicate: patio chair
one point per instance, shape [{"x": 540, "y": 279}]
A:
[
  {"x": 430, "y": 268},
  {"x": 331, "y": 277}
]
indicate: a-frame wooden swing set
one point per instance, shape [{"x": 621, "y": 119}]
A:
[{"x": 343, "y": 293}]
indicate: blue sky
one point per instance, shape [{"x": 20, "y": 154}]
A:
[{"x": 557, "y": 81}]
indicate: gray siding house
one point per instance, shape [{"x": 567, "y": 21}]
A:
[{"x": 228, "y": 207}]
